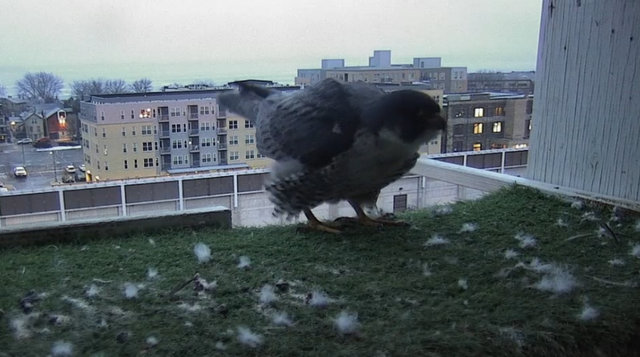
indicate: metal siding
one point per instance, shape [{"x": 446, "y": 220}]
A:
[
  {"x": 30, "y": 203},
  {"x": 586, "y": 117},
  {"x": 151, "y": 192},
  {"x": 94, "y": 197},
  {"x": 247, "y": 183},
  {"x": 208, "y": 186}
]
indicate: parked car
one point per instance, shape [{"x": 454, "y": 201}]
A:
[
  {"x": 82, "y": 168},
  {"x": 70, "y": 169},
  {"x": 43, "y": 143},
  {"x": 68, "y": 178},
  {"x": 20, "y": 171},
  {"x": 68, "y": 143},
  {"x": 25, "y": 141}
]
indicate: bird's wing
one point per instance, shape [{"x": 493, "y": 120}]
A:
[{"x": 314, "y": 125}]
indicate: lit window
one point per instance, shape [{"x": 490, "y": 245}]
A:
[
  {"x": 478, "y": 112},
  {"x": 477, "y": 128},
  {"x": 497, "y": 127},
  {"x": 499, "y": 111},
  {"x": 477, "y": 147},
  {"x": 145, "y": 113}
]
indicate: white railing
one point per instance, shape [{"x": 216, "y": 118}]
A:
[{"x": 488, "y": 181}]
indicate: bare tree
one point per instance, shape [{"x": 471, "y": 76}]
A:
[
  {"x": 80, "y": 89},
  {"x": 142, "y": 85},
  {"x": 115, "y": 86},
  {"x": 40, "y": 86}
]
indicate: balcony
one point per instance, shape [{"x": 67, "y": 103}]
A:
[
  {"x": 193, "y": 116},
  {"x": 163, "y": 133},
  {"x": 222, "y": 146},
  {"x": 163, "y": 118},
  {"x": 221, "y": 130},
  {"x": 165, "y": 150},
  {"x": 194, "y": 148},
  {"x": 194, "y": 132}
]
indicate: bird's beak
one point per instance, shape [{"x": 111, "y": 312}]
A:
[{"x": 439, "y": 122}]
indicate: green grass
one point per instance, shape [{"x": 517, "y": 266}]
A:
[{"x": 380, "y": 275}]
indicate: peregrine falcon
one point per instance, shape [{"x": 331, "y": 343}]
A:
[{"x": 336, "y": 141}]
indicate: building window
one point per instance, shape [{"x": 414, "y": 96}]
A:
[
  {"x": 206, "y": 157},
  {"x": 147, "y": 162},
  {"x": 147, "y": 146},
  {"x": 477, "y": 146},
  {"x": 234, "y": 155},
  {"x": 248, "y": 139},
  {"x": 175, "y": 112},
  {"x": 500, "y": 111},
  {"x": 124, "y": 147},
  {"x": 477, "y": 128},
  {"x": 135, "y": 147},
  {"x": 233, "y": 140},
  {"x": 122, "y": 115},
  {"x": 146, "y": 130},
  {"x": 248, "y": 124},
  {"x": 497, "y": 127},
  {"x": 124, "y": 131},
  {"x": 399, "y": 203},
  {"x": 126, "y": 164},
  {"x": 478, "y": 112},
  {"x": 106, "y": 166},
  {"x": 250, "y": 154},
  {"x": 458, "y": 129},
  {"x": 133, "y": 131},
  {"x": 104, "y": 132},
  {"x": 233, "y": 124},
  {"x": 176, "y": 128},
  {"x": 145, "y": 113},
  {"x": 135, "y": 163},
  {"x": 205, "y": 126},
  {"x": 206, "y": 142}
]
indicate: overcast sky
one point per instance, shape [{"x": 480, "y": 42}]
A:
[{"x": 479, "y": 34}]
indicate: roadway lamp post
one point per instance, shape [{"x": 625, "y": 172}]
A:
[{"x": 53, "y": 158}]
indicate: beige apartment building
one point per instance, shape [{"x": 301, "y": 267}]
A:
[{"x": 139, "y": 135}]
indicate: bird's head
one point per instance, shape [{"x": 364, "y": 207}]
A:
[{"x": 412, "y": 115}]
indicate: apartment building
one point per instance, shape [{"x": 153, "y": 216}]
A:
[
  {"x": 427, "y": 70},
  {"x": 521, "y": 82},
  {"x": 151, "y": 134},
  {"x": 480, "y": 121}
]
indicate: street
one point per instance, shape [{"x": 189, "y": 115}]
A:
[{"x": 39, "y": 165}]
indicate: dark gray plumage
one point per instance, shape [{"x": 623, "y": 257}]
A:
[{"x": 335, "y": 141}]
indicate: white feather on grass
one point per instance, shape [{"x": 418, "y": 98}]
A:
[
  {"x": 468, "y": 228},
  {"x": 220, "y": 346},
  {"x": 152, "y": 273},
  {"x": 463, "y": 284},
  {"x": 436, "y": 239},
  {"x": 588, "y": 313},
  {"x": 267, "y": 295},
  {"x": 616, "y": 262},
  {"x": 426, "y": 271},
  {"x": 319, "y": 299},
  {"x": 202, "y": 252},
  {"x": 281, "y": 319},
  {"x": 557, "y": 280},
  {"x": 130, "y": 290},
  {"x": 151, "y": 341},
  {"x": 561, "y": 222},
  {"x": 248, "y": 338},
  {"x": 244, "y": 262},
  {"x": 346, "y": 323},
  {"x": 92, "y": 291},
  {"x": 635, "y": 250},
  {"x": 442, "y": 210},
  {"x": 579, "y": 205},
  {"x": 526, "y": 240},
  {"x": 152, "y": 242},
  {"x": 510, "y": 254},
  {"x": 61, "y": 349},
  {"x": 78, "y": 303},
  {"x": 190, "y": 307},
  {"x": 22, "y": 325}
]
